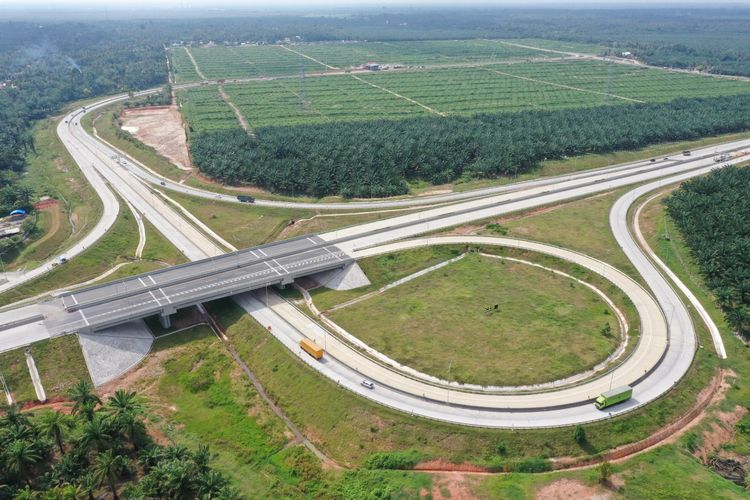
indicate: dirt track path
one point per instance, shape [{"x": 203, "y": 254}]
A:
[{"x": 240, "y": 117}]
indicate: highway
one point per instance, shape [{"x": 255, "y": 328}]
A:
[
  {"x": 658, "y": 364},
  {"x": 167, "y": 290}
]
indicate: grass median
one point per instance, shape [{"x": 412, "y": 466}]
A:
[{"x": 488, "y": 322}]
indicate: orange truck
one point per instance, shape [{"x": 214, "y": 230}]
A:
[{"x": 311, "y": 348}]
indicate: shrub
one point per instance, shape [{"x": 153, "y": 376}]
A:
[{"x": 393, "y": 460}]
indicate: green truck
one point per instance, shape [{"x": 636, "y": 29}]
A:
[{"x": 613, "y": 396}]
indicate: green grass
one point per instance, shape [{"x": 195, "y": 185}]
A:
[
  {"x": 52, "y": 172},
  {"x": 384, "y": 269},
  {"x": 547, "y": 327},
  {"x": 59, "y": 362},
  {"x": 670, "y": 473},
  {"x": 203, "y": 397},
  {"x": 665, "y": 473},
  {"x": 239, "y": 224},
  {"x": 16, "y": 374},
  {"x": 581, "y": 225},
  {"x": 348, "y": 428}
]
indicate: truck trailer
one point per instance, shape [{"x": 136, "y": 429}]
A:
[
  {"x": 613, "y": 397},
  {"x": 311, "y": 348}
]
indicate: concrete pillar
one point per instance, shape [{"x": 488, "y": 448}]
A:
[{"x": 165, "y": 320}]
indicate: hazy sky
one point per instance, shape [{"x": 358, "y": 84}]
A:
[{"x": 276, "y": 4}]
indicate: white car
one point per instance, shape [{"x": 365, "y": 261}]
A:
[{"x": 368, "y": 384}]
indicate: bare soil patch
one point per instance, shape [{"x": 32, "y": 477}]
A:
[
  {"x": 453, "y": 485},
  {"x": 161, "y": 128},
  {"x": 570, "y": 489}
]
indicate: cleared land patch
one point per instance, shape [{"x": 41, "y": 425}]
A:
[
  {"x": 545, "y": 327},
  {"x": 161, "y": 128}
]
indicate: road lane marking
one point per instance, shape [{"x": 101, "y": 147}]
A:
[
  {"x": 152, "y": 279},
  {"x": 142, "y": 283},
  {"x": 165, "y": 295},
  {"x": 269, "y": 265},
  {"x": 154, "y": 297},
  {"x": 84, "y": 317},
  {"x": 282, "y": 267}
]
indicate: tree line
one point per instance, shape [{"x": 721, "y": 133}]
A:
[
  {"x": 713, "y": 215},
  {"x": 101, "y": 448},
  {"x": 380, "y": 158}
]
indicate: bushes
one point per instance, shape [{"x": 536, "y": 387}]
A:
[
  {"x": 377, "y": 158},
  {"x": 713, "y": 215},
  {"x": 393, "y": 460},
  {"x": 528, "y": 465}
]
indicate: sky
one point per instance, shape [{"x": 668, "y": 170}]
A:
[{"x": 302, "y": 4}]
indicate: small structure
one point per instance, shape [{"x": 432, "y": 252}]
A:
[
  {"x": 371, "y": 66},
  {"x": 627, "y": 54}
]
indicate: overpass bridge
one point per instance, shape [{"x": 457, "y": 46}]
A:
[{"x": 164, "y": 291}]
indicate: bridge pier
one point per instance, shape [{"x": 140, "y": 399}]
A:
[{"x": 165, "y": 320}]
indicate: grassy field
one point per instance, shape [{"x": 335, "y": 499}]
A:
[
  {"x": 60, "y": 364},
  {"x": 547, "y": 327},
  {"x": 579, "y": 225},
  {"x": 667, "y": 472},
  {"x": 449, "y": 91}
]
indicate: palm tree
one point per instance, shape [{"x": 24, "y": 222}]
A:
[
  {"x": 133, "y": 429},
  {"x": 97, "y": 433},
  {"x": 125, "y": 403},
  {"x": 55, "y": 425},
  {"x": 83, "y": 396},
  {"x": 14, "y": 416},
  {"x": 20, "y": 457},
  {"x": 150, "y": 456},
  {"x": 107, "y": 468},
  {"x": 87, "y": 485},
  {"x": 202, "y": 457},
  {"x": 211, "y": 485}
]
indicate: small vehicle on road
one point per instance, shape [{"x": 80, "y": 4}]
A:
[
  {"x": 368, "y": 384},
  {"x": 686, "y": 153},
  {"x": 243, "y": 198},
  {"x": 163, "y": 183},
  {"x": 613, "y": 397}
]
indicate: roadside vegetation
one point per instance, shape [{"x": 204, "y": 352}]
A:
[
  {"x": 488, "y": 322},
  {"x": 719, "y": 205}
]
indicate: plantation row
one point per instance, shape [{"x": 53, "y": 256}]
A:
[
  {"x": 378, "y": 158},
  {"x": 182, "y": 67},
  {"x": 633, "y": 82},
  {"x": 354, "y": 54},
  {"x": 452, "y": 91},
  {"x": 273, "y": 60},
  {"x": 204, "y": 110},
  {"x": 713, "y": 214},
  {"x": 251, "y": 61}
]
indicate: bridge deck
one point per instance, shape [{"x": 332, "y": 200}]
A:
[{"x": 166, "y": 291}]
